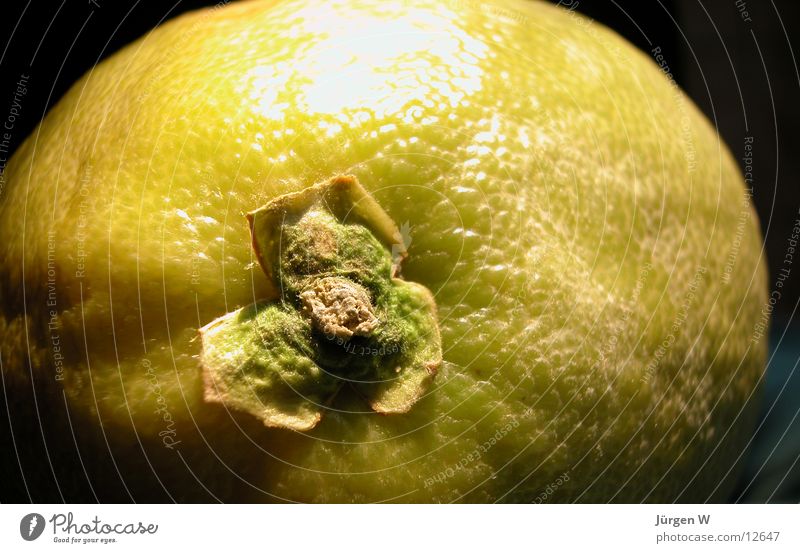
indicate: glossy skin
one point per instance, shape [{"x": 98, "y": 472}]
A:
[{"x": 572, "y": 212}]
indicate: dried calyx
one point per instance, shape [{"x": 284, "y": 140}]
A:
[
  {"x": 343, "y": 316},
  {"x": 339, "y": 307}
]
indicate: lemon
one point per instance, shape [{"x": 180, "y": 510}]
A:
[{"x": 586, "y": 236}]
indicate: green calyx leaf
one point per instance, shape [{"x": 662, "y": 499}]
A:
[
  {"x": 258, "y": 359},
  {"x": 343, "y": 318}
]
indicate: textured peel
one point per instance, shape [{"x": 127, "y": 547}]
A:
[{"x": 540, "y": 163}]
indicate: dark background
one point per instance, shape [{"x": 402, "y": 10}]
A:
[{"x": 742, "y": 74}]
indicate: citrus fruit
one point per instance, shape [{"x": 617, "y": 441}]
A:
[{"x": 585, "y": 236}]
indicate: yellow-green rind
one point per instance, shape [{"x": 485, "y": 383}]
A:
[{"x": 567, "y": 206}]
